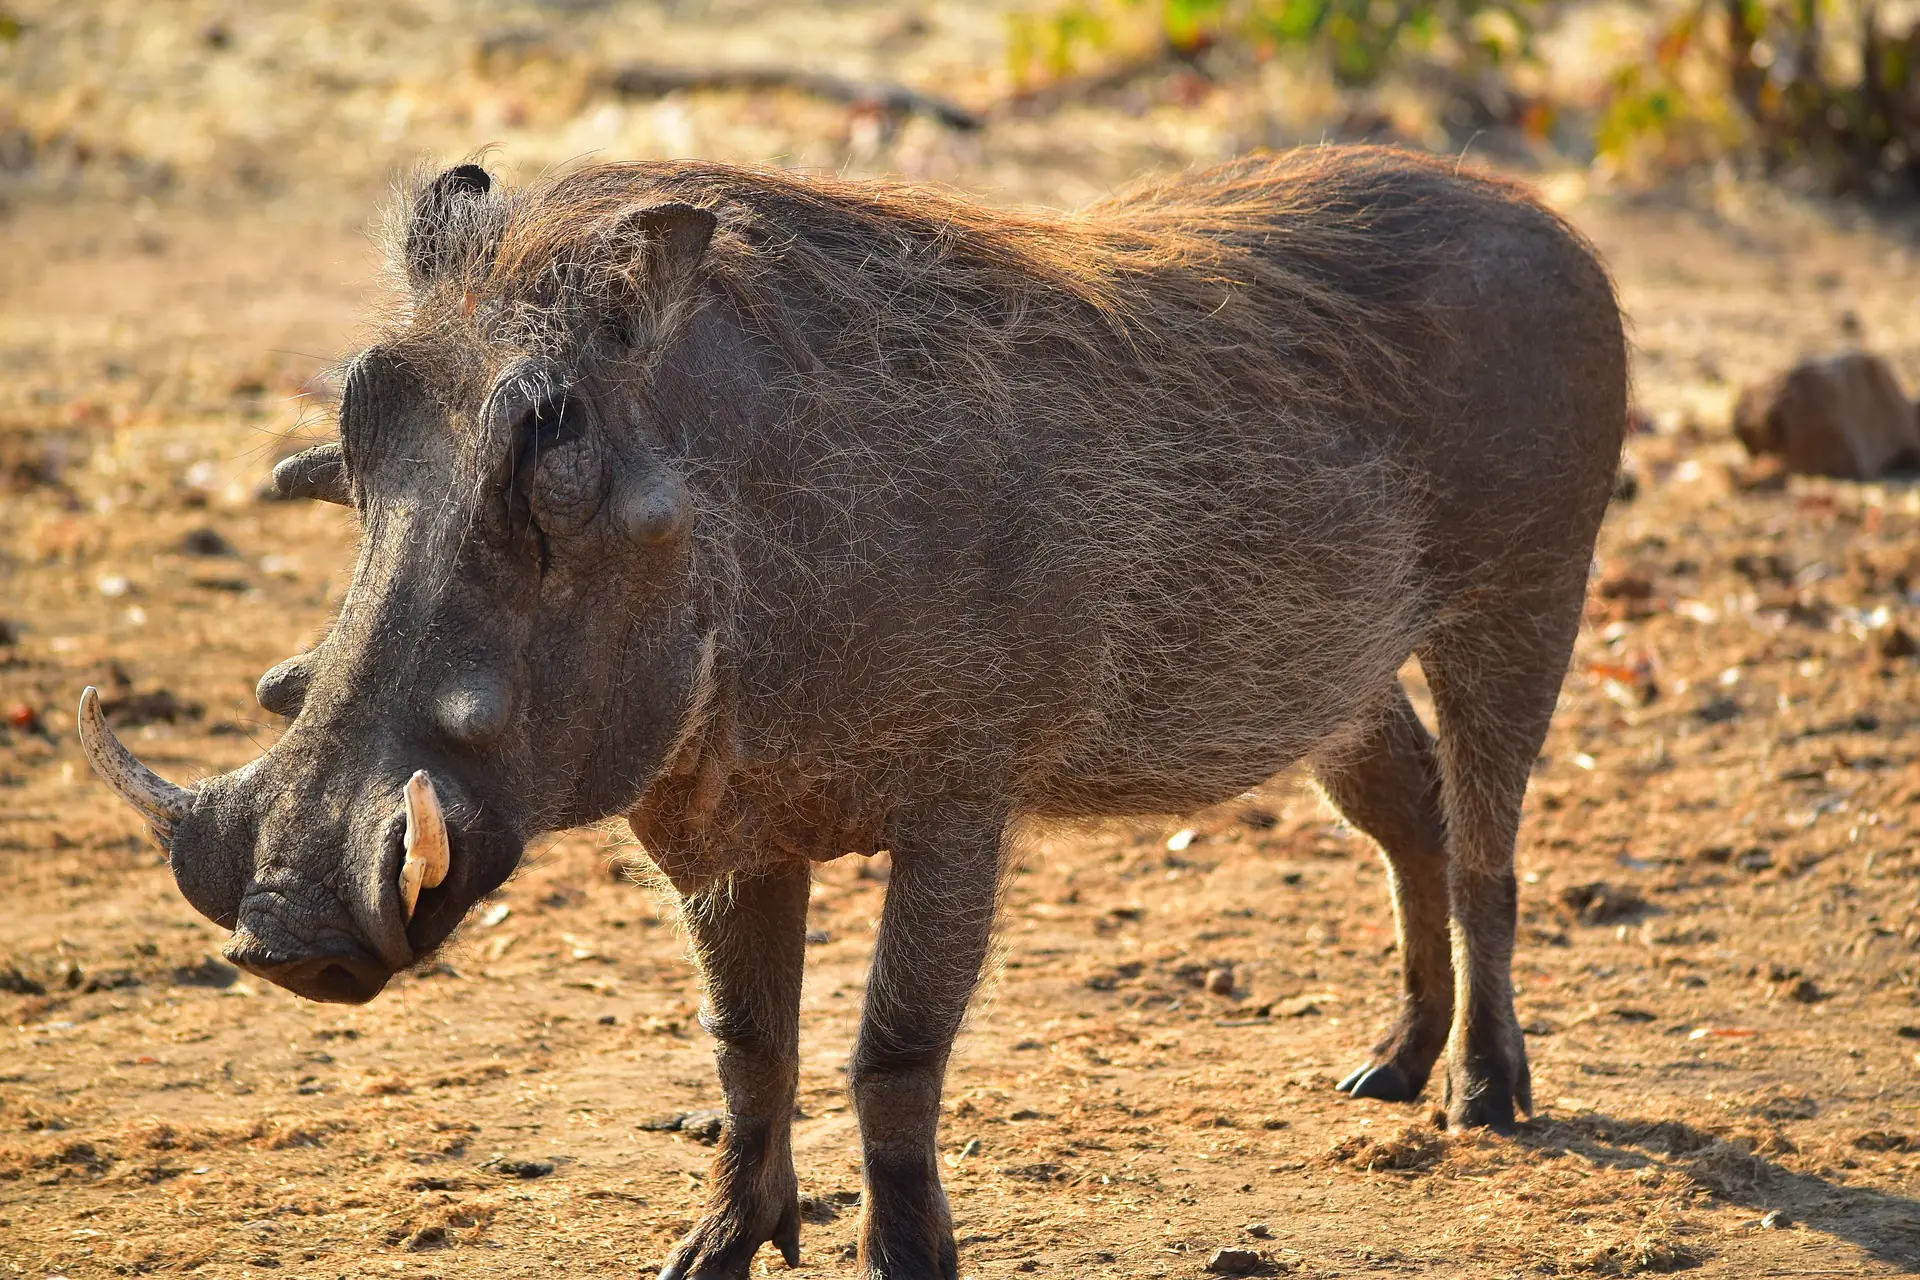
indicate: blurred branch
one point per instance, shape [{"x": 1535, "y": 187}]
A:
[
  {"x": 1051, "y": 95},
  {"x": 653, "y": 80}
]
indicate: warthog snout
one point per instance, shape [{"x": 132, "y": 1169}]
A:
[
  {"x": 337, "y": 971},
  {"x": 329, "y": 889}
]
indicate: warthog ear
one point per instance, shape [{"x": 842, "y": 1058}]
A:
[
  {"x": 433, "y": 239},
  {"x": 320, "y": 472},
  {"x": 675, "y": 236}
]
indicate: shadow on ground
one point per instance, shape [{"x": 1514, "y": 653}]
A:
[{"x": 1739, "y": 1169}]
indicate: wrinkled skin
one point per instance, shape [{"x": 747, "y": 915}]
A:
[{"x": 846, "y": 519}]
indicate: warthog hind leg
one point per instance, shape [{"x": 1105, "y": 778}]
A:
[
  {"x": 1495, "y": 669},
  {"x": 749, "y": 934},
  {"x": 1388, "y": 785},
  {"x": 932, "y": 942}
]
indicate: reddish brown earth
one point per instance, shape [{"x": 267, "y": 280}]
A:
[{"x": 1720, "y": 960}]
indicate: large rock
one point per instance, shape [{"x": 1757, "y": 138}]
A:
[{"x": 1844, "y": 417}]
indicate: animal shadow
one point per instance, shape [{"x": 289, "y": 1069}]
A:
[{"x": 1737, "y": 1170}]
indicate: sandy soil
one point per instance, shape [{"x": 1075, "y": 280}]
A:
[{"x": 1720, "y": 962}]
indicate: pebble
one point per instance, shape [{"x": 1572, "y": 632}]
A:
[
  {"x": 206, "y": 541},
  {"x": 1236, "y": 1262},
  {"x": 1895, "y": 641},
  {"x": 525, "y": 1169},
  {"x": 1220, "y": 980}
]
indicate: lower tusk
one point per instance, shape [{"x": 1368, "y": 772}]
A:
[{"x": 428, "y": 852}]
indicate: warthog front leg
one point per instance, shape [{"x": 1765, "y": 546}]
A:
[
  {"x": 933, "y": 939},
  {"x": 1388, "y": 785},
  {"x": 750, "y": 934}
]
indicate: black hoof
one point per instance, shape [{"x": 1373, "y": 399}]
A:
[
  {"x": 1386, "y": 1083},
  {"x": 1487, "y": 1111}
]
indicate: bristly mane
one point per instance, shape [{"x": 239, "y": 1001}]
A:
[{"x": 1265, "y": 283}]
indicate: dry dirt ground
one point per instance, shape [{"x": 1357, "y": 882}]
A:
[{"x": 1721, "y": 918}]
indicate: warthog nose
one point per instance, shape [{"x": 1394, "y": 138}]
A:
[{"x": 335, "y": 973}]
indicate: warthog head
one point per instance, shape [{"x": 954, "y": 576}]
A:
[{"x": 522, "y": 635}]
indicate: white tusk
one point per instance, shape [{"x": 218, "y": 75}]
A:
[
  {"x": 160, "y": 802},
  {"x": 428, "y": 852}
]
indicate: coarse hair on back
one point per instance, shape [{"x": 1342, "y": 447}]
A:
[{"x": 1272, "y": 283}]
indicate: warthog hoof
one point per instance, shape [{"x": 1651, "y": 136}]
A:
[
  {"x": 1489, "y": 1088},
  {"x": 722, "y": 1245},
  {"x": 1384, "y": 1081}
]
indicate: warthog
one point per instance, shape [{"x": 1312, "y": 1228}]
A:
[{"x": 795, "y": 517}]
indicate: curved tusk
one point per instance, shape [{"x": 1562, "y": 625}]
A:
[
  {"x": 160, "y": 802},
  {"x": 428, "y": 852}
]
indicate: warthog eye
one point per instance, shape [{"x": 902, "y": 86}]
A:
[{"x": 545, "y": 426}]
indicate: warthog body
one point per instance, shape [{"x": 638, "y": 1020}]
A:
[{"x": 799, "y": 517}]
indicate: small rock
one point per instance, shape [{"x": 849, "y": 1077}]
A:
[
  {"x": 1761, "y": 475},
  {"x": 1220, "y": 980},
  {"x": 1895, "y": 641},
  {"x": 130, "y": 710},
  {"x": 704, "y": 1127},
  {"x": 206, "y": 541},
  {"x": 1259, "y": 1231},
  {"x": 11, "y": 979},
  {"x": 430, "y": 1238},
  {"x": 1623, "y": 594},
  {"x": 1807, "y": 991},
  {"x": 1775, "y": 1220},
  {"x": 822, "y": 1209},
  {"x": 524, "y": 1169},
  {"x": 1882, "y": 1140},
  {"x": 208, "y": 973},
  {"x": 1298, "y": 1007},
  {"x": 1717, "y": 710},
  {"x": 111, "y": 980},
  {"x": 1845, "y": 417},
  {"x": 1237, "y": 1262},
  {"x": 1602, "y": 903}
]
